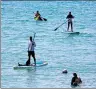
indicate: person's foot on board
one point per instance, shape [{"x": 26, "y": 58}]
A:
[{"x": 18, "y": 64}]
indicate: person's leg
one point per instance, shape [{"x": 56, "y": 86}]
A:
[
  {"x": 33, "y": 55},
  {"x": 28, "y": 61},
  {"x": 68, "y": 26},
  {"x": 21, "y": 64},
  {"x": 71, "y": 26}
]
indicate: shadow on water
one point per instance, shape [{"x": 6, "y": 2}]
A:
[
  {"x": 71, "y": 36},
  {"x": 26, "y": 69},
  {"x": 34, "y": 69}
]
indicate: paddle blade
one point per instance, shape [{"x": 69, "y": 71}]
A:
[
  {"x": 55, "y": 29},
  {"x": 44, "y": 19}
]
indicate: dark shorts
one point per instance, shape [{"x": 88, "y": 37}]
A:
[{"x": 31, "y": 53}]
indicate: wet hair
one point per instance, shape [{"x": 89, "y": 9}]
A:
[{"x": 74, "y": 74}]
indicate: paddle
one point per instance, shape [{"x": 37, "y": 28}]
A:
[
  {"x": 58, "y": 27},
  {"x": 34, "y": 36},
  {"x": 44, "y": 19}
]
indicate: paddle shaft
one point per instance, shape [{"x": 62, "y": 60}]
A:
[
  {"x": 34, "y": 36},
  {"x": 61, "y": 25},
  {"x": 58, "y": 26}
]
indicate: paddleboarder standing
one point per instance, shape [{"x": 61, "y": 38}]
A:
[
  {"x": 70, "y": 17},
  {"x": 31, "y": 52}
]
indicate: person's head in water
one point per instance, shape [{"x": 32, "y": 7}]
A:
[
  {"x": 30, "y": 38},
  {"x": 75, "y": 75}
]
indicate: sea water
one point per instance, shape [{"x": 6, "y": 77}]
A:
[{"x": 74, "y": 52}]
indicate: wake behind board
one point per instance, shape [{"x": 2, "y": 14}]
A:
[
  {"x": 38, "y": 64},
  {"x": 69, "y": 32}
]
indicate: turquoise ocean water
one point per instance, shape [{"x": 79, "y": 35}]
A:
[{"x": 76, "y": 53}]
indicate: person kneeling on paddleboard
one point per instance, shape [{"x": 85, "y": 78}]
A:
[
  {"x": 70, "y": 17},
  {"x": 38, "y": 16},
  {"x": 31, "y": 52},
  {"x": 75, "y": 80}
]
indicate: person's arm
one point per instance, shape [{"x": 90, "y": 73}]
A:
[
  {"x": 36, "y": 14},
  {"x": 39, "y": 14},
  {"x": 72, "y": 16},
  {"x": 67, "y": 17},
  {"x": 72, "y": 81},
  {"x": 34, "y": 44},
  {"x": 80, "y": 80}
]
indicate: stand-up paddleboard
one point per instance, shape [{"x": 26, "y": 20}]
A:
[
  {"x": 38, "y": 64},
  {"x": 69, "y": 32}
]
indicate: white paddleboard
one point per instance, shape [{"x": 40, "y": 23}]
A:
[
  {"x": 38, "y": 64},
  {"x": 72, "y": 32}
]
